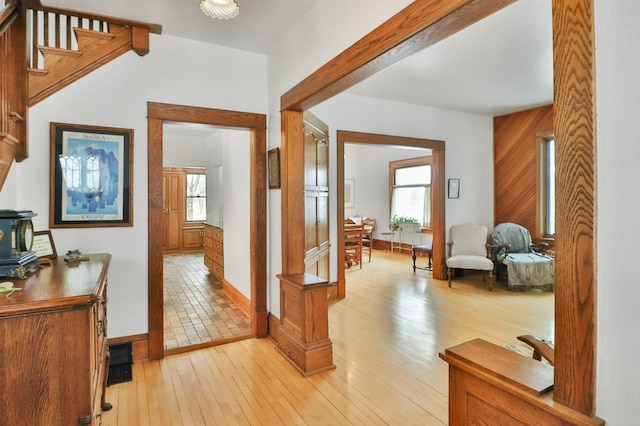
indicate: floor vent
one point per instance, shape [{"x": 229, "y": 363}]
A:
[{"x": 120, "y": 365}]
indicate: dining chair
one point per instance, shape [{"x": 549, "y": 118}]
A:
[
  {"x": 353, "y": 244},
  {"x": 367, "y": 237}
]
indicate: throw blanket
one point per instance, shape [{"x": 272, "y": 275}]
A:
[
  {"x": 513, "y": 235},
  {"x": 530, "y": 272}
]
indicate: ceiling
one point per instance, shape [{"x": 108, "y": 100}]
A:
[{"x": 499, "y": 65}]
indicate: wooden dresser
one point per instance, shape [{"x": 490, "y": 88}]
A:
[
  {"x": 214, "y": 249},
  {"x": 54, "y": 356}
]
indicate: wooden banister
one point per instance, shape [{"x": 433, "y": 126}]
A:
[{"x": 37, "y": 5}]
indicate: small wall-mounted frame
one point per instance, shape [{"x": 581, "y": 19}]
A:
[
  {"x": 91, "y": 176},
  {"x": 43, "y": 245},
  {"x": 273, "y": 159},
  {"x": 349, "y": 193},
  {"x": 454, "y": 188}
]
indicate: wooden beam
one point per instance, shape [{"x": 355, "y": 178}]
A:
[{"x": 420, "y": 25}]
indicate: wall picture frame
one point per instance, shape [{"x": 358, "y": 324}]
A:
[
  {"x": 91, "y": 176},
  {"x": 273, "y": 160},
  {"x": 43, "y": 245},
  {"x": 349, "y": 193},
  {"x": 454, "y": 188}
]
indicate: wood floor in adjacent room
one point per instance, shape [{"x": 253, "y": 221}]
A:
[{"x": 386, "y": 335}]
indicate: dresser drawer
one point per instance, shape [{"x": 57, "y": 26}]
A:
[
  {"x": 217, "y": 269},
  {"x": 218, "y": 247},
  {"x": 208, "y": 262},
  {"x": 218, "y": 235},
  {"x": 207, "y": 243},
  {"x": 218, "y": 258}
]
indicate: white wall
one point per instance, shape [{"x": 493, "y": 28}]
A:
[
  {"x": 175, "y": 71},
  {"x": 183, "y": 151},
  {"x": 618, "y": 138},
  {"x": 237, "y": 238}
]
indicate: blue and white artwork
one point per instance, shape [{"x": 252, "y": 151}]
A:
[{"x": 92, "y": 176}]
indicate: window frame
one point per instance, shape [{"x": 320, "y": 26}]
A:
[
  {"x": 411, "y": 162},
  {"x": 542, "y": 181},
  {"x": 187, "y": 172}
]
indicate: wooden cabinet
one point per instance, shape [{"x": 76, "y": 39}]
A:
[
  {"x": 53, "y": 345},
  {"x": 316, "y": 189},
  {"x": 214, "y": 249},
  {"x": 179, "y": 235},
  {"x": 172, "y": 183},
  {"x": 192, "y": 238}
]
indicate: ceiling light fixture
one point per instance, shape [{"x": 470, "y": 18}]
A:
[{"x": 220, "y": 9}]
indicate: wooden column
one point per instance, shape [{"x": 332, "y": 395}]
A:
[{"x": 303, "y": 332}]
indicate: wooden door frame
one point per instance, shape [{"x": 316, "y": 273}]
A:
[
  {"x": 157, "y": 114},
  {"x": 423, "y": 23},
  {"x": 437, "y": 187}
]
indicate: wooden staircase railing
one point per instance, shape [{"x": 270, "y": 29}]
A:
[
  {"x": 59, "y": 46},
  {"x": 65, "y": 45}
]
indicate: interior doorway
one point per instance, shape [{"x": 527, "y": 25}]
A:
[
  {"x": 199, "y": 309},
  {"x": 437, "y": 187},
  {"x": 158, "y": 114}
]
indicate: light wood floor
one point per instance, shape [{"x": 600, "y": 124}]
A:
[{"x": 386, "y": 335}]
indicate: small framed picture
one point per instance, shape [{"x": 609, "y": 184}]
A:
[
  {"x": 43, "y": 245},
  {"x": 273, "y": 159},
  {"x": 349, "y": 193},
  {"x": 454, "y": 188}
]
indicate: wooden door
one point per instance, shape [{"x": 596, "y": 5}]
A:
[
  {"x": 171, "y": 202},
  {"x": 316, "y": 184}
]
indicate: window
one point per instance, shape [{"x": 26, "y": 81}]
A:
[
  {"x": 546, "y": 206},
  {"x": 411, "y": 189},
  {"x": 196, "y": 197}
]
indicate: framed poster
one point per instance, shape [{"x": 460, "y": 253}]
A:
[
  {"x": 349, "y": 193},
  {"x": 454, "y": 188},
  {"x": 91, "y": 182},
  {"x": 273, "y": 158}
]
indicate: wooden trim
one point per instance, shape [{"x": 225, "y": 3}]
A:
[
  {"x": 238, "y": 298},
  {"x": 437, "y": 190},
  {"x": 139, "y": 345},
  {"x": 292, "y": 199},
  {"x": 574, "y": 130},
  {"x": 157, "y": 113},
  {"x": 576, "y": 246}
]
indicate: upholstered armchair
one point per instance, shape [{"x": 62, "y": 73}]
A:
[
  {"x": 526, "y": 265},
  {"x": 468, "y": 249}
]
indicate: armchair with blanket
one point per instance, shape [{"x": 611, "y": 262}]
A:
[{"x": 527, "y": 267}]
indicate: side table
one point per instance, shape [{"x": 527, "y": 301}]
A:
[{"x": 388, "y": 236}]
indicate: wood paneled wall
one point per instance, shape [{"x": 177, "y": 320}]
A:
[{"x": 515, "y": 164}]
